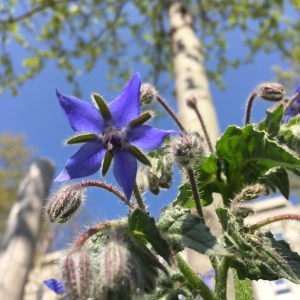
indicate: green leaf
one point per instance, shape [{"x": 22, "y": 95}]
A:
[
  {"x": 249, "y": 154},
  {"x": 182, "y": 229},
  {"x": 277, "y": 178},
  {"x": 142, "y": 226},
  {"x": 254, "y": 256},
  {"x": 272, "y": 122},
  {"x": 185, "y": 196},
  {"x": 81, "y": 138}
]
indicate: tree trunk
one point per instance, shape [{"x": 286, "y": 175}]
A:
[
  {"x": 23, "y": 227},
  {"x": 191, "y": 79}
]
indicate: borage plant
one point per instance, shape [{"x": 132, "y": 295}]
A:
[{"x": 138, "y": 257}]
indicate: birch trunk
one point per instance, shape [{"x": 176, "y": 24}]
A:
[
  {"x": 191, "y": 79},
  {"x": 23, "y": 227}
]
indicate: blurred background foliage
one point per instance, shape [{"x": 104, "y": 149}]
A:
[
  {"x": 123, "y": 32},
  {"x": 14, "y": 160}
]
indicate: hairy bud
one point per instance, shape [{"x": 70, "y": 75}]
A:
[
  {"x": 191, "y": 101},
  {"x": 65, "y": 202},
  {"x": 270, "y": 91},
  {"x": 187, "y": 149},
  {"x": 148, "y": 94},
  {"x": 78, "y": 275}
]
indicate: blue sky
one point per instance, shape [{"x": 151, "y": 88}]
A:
[{"x": 37, "y": 114}]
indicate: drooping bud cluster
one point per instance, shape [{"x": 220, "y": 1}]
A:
[
  {"x": 78, "y": 275},
  {"x": 187, "y": 149},
  {"x": 65, "y": 203},
  {"x": 160, "y": 174},
  {"x": 270, "y": 91},
  {"x": 148, "y": 94},
  {"x": 290, "y": 136}
]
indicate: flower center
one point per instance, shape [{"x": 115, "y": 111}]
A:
[{"x": 113, "y": 139}]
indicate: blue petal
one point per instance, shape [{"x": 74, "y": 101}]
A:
[
  {"x": 55, "y": 285},
  {"x": 126, "y": 107},
  {"x": 147, "y": 137},
  {"x": 125, "y": 169},
  {"x": 82, "y": 116},
  {"x": 85, "y": 161}
]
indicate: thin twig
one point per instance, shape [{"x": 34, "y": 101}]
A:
[{"x": 171, "y": 113}]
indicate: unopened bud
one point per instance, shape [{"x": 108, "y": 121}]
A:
[
  {"x": 187, "y": 149},
  {"x": 148, "y": 93},
  {"x": 65, "y": 203},
  {"x": 243, "y": 211},
  {"x": 78, "y": 275},
  {"x": 270, "y": 91},
  {"x": 191, "y": 101}
]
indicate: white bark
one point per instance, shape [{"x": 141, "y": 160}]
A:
[
  {"x": 191, "y": 79},
  {"x": 23, "y": 229}
]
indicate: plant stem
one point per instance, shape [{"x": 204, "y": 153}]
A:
[
  {"x": 249, "y": 106},
  {"x": 138, "y": 197},
  {"x": 194, "y": 281},
  {"x": 170, "y": 112},
  {"x": 290, "y": 102},
  {"x": 199, "y": 116},
  {"x": 270, "y": 220},
  {"x": 196, "y": 194},
  {"x": 221, "y": 278},
  {"x": 110, "y": 188}
]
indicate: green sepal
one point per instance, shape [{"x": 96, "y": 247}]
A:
[
  {"x": 81, "y": 138},
  {"x": 101, "y": 105},
  {"x": 106, "y": 162},
  {"x": 140, "y": 156},
  {"x": 143, "y": 118}
]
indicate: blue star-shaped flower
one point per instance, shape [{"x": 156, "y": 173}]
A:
[
  {"x": 114, "y": 131},
  {"x": 55, "y": 285},
  {"x": 292, "y": 111}
]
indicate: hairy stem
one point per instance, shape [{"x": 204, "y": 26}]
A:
[
  {"x": 110, "y": 188},
  {"x": 195, "y": 194},
  {"x": 194, "y": 281},
  {"x": 270, "y": 220},
  {"x": 221, "y": 278},
  {"x": 170, "y": 112},
  {"x": 249, "y": 106},
  {"x": 138, "y": 197},
  {"x": 199, "y": 116},
  {"x": 290, "y": 102},
  {"x": 93, "y": 230}
]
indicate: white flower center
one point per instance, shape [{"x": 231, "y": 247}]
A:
[{"x": 114, "y": 139}]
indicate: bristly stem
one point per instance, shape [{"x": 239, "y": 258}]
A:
[
  {"x": 195, "y": 194},
  {"x": 221, "y": 277},
  {"x": 93, "y": 230},
  {"x": 290, "y": 102},
  {"x": 170, "y": 112},
  {"x": 194, "y": 281},
  {"x": 249, "y": 106},
  {"x": 138, "y": 197},
  {"x": 110, "y": 188},
  {"x": 274, "y": 219},
  {"x": 199, "y": 116}
]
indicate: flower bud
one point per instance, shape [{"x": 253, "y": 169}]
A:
[
  {"x": 78, "y": 276},
  {"x": 187, "y": 149},
  {"x": 148, "y": 93},
  {"x": 65, "y": 202},
  {"x": 191, "y": 101},
  {"x": 270, "y": 91},
  {"x": 252, "y": 192}
]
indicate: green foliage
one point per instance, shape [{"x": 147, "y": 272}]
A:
[
  {"x": 182, "y": 229},
  {"x": 14, "y": 158},
  {"x": 87, "y": 31}
]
